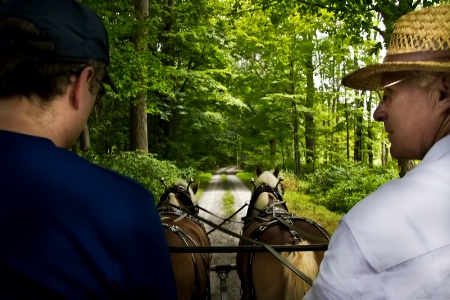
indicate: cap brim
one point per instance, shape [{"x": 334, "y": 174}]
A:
[
  {"x": 370, "y": 77},
  {"x": 107, "y": 79}
]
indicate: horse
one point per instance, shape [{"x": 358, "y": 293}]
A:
[
  {"x": 268, "y": 220},
  {"x": 191, "y": 270}
]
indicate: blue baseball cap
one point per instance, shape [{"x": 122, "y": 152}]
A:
[{"x": 69, "y": 32}]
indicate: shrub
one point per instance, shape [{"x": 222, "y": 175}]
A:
[
  {"x": 203, "y": 179},
  {"x": 144, "y": 168},
  {"x": 339, "y": 188},
  {"x": 245, "y": 177}
]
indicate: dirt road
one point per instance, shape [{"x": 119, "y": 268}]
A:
[{"x": 211, "y": 200}]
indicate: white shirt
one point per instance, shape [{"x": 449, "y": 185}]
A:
[{"x": 395, "y": 243}]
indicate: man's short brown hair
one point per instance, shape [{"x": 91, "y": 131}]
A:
[{"x": 24, "y": 74}]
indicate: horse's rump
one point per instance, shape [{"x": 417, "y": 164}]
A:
[
  {"x": 191, "y": 270},
  {"x": 263, "y": 273}
]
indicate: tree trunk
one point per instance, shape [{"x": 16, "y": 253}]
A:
[
  {"x": 310, "y": 143},
  {"x": 347, "y": 126},
  {"x": 295, "y": 122},
  {"x": 385, "y": 153},
  {"x": 273, "y": 151},
  {"x": 334, "y": 140},
  {"x": 138, "y": 109},
  {"x": 370, "y": 131},
  {"x": 357, "y": 150},
  {"x": 296, "y": 139}
]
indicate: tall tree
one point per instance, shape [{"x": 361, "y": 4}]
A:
[
  {"x": 310, "y": 126},
  {"x": 138, "y": 106}
]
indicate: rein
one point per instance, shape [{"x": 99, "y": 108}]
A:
[
  {"x": 167, "y": 211},
  {"x": 264, "y": 188},
  {"x": 225, "y": 220},
  {"x": 222, "y": 218},
  {"x": 274, "y": 211},
  {"x": 249, "y": 240}
]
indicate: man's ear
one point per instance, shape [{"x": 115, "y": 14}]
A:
[
  {"x": 82, "y": 86},
  {"x": 443, "y": 105}
]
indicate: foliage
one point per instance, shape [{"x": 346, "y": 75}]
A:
[
  {"x": 245, "y": 178},
  {"x": 144, "y": 168},
  {"x": 203, "y": 179},
  {"x": 303, "y": 206},
  {"x": 224, "y": 178},
  {"x": 339, "y": 187},
  {"x": 298, "y": 202},
  {"x": 226, "y": 83},
  {"x": 228, "y": 204}
]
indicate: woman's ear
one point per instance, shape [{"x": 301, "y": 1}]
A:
[{"x": 82, "y": 87}]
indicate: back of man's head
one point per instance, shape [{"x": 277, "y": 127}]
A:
[{"x": 43, "y": 42}]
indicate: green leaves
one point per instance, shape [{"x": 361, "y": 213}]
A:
[
  {"x": 228, "y": 78},
  {"x": 340, "y": 187},
  {"x": 144, "y": 168}
]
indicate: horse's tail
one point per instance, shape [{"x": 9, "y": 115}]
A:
[{"x": 305, "y": 261}]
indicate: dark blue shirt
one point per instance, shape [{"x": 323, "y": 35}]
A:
[{"x": 72, "y": 230}]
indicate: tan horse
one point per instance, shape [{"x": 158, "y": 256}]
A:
[
  {"x": 263, "y": 276},
  {"x": 191, "y": 270}
]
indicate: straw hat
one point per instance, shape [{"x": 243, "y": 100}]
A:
[{"x": 420, "y": 42}]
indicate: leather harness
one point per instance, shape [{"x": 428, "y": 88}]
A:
[
  {"x": 167, "y": 210},
  {"x": 272, "y": 216}
]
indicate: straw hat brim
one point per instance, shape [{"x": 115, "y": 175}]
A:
[{"x": 370, "y": 77}]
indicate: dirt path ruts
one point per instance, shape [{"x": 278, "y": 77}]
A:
[{"x": 211, "y": 200}]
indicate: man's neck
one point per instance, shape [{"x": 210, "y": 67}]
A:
[{"x": 27, "y": 116}]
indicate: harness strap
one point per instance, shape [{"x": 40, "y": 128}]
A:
[
  {"x": 292, "y": 228},
  {"x": 263, "y": 189},
  {"x": 256, "y": 234},
  {"x": 250, "y": 277},
  {"x": 183, "y": 235},
  {"x": 183, "y": 196},
  {"x": 173, "y": 210},
  {"x": 266, "y": 246}
]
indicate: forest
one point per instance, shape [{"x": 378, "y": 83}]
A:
[{"x": 210, "y": 83}]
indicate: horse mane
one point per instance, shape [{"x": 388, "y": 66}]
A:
[
  {"x": 190, "y": 191},
  {"x": 178, "y": 195},
  {"x": 267, "y": 178},
  {"x": 260, "y": 199}
]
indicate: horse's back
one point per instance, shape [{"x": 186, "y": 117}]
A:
[
  {"x": 265, "y": 273},
  {"x": 191, "y": 270}
]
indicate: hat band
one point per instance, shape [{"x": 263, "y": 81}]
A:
[{"x": 419, "y": 56}]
